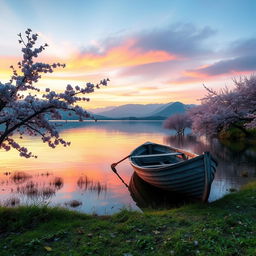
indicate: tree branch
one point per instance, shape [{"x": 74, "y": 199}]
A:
[
  {"x": 34, "y": 129},
  {"x": 6, "y": 133}
]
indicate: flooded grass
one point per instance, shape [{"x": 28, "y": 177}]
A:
[
  {"x": 11, "y": 202},
  {"x": 98, "y": 187},
  {"x": 20, "y": 177},
  {"x": 39, "y": 188},
  {"x": 57, "y": 183},
  {"x": 45, "y": 174},
  {"x": 84, "y": 183},
  {"x": 33, "y": 191},
  {"x": 47, "y": 192},
  {"x": 225, "y": 227}
]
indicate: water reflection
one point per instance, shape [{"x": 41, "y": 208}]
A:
[
  {"x": 125, "y": 126},
  {"x": 148, "y": 196},
  {"x": 236, "y": 161},
  {"x": 81, "y": 173}
]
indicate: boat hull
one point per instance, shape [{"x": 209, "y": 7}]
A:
[{"x": 192, "y": 177}]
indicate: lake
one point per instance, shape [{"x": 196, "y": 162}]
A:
[{"x": 80, "y": 177}]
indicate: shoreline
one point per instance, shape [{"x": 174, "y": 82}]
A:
[{"x": 224, "y": 227}]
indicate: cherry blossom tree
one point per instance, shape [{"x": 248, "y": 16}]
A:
[
  {"x": 26, "y": 110},
  {"x": 222, "y": 110},
  {"x": 178, "y": 122}
]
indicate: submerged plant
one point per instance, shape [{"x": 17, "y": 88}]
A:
[{"x": 73, "y": 203}]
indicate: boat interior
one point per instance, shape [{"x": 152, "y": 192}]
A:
[{"x": 154, "y": 155}]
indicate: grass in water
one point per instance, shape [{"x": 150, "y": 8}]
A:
[{"x": 225, "y": 227}]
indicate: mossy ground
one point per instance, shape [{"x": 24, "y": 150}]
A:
[
  {"x": 225, "y": 227},
  {"x": 234, "y": 134}
]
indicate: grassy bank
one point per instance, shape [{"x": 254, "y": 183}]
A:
[{"x": 225, "y": 227}]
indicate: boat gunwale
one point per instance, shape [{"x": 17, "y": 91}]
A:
[
  {"x": 174, "y": 165},
  {"x": 167, "y": 167}
]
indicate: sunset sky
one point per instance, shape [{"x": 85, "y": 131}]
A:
[{"x": 152, "y": 51}]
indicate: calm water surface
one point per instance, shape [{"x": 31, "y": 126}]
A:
[{"x": 82, "y": 171}]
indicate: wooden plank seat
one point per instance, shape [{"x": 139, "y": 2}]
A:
[
  {"x": 157, "y": 165},
  {"x": 158, "y": 155}
]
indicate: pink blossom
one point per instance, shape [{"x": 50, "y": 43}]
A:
[
  {"x": 24, "y": 112},
  {"x": 222, "y": 110}
]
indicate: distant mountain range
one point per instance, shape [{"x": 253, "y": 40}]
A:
[
  {"x": 137, "y": 112},
  {"x": 129, "y": 110},
  {"x": 141, "y": 111}
]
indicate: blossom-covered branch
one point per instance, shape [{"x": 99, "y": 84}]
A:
[
  {"x": 221, "y": 110},
  {"x": 23, "y": 112}
]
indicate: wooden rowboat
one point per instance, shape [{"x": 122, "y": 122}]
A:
[{"x": 174, "y": 169}]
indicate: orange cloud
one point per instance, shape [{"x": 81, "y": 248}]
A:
[
  {"x": 189, "y": 77},
  {"x": 87, "y": 66},
  {"x": 194, "y": 76},
  {"x": 119, "y": 56},
  {"x": 149, "y": 88}
]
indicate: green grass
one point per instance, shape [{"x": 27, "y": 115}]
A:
[{"x": 225, "y": 227}]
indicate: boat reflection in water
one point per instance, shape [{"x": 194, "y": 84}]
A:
[{"x": 147, "y": 196}]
